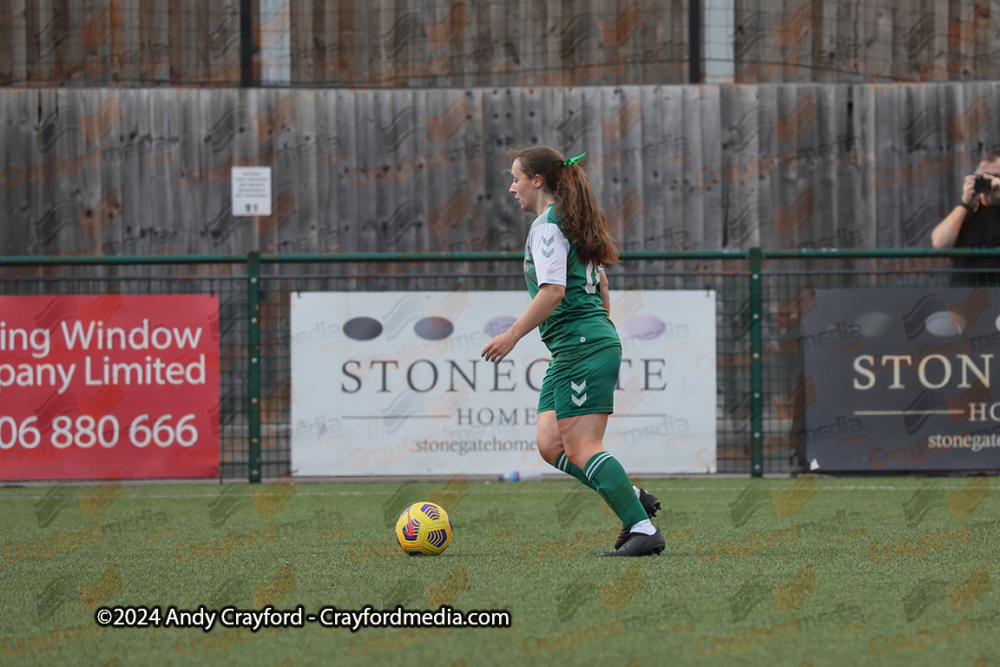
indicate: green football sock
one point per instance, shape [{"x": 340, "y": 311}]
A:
[
  {"x": 610, "y": 480},
  {"x": 562, "y": 463}
]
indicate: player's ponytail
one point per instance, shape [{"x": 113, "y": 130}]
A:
[{"x": 576, "y": 204}]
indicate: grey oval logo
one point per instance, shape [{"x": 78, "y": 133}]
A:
[
  {"x": 645, "y": 327},
  {"x": 362, "y": 328},
  {"x": 875, "y": 324},
  {"x": 433, "y": 328},
  {"x": 945, "y": 324},
  {"x": 499, "y": 325}
]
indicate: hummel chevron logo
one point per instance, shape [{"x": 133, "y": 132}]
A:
[
  {"x": 577, "y": 388},
  {"x": 548, "y": 242}
]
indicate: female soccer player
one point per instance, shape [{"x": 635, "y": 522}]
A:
[{"x": 568, "y": 245}]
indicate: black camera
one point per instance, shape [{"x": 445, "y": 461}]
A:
[{"x": 982, "y": 184}]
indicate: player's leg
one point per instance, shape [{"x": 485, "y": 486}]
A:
[
  {"x": 551, "y": 448},
  {"x": 550, "y": 445},
  {"x": 547, "y": 435},
  {"x": 583, "y": 405},
  {"x": 582, "y": 437},
  {"x": 649, "y": 502}
]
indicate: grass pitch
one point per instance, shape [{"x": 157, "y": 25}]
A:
[{"x": 814, "y": 571}]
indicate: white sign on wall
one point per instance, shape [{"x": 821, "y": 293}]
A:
[
  {"x": 251, "y": 190},
  {"x": 392, "y": 383}
]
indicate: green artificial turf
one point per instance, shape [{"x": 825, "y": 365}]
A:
[{"x": 817, "y": 571}]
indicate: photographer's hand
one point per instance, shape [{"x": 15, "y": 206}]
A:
[{"x": 969, "y": 190}]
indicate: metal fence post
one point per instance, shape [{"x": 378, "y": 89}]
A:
[
  {"x": 756, "y": 366},
  {"x": 695, "y": 22},
  {"x": 253, "y": 355}
]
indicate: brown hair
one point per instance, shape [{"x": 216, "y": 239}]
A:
[
  {"x": 990, "y": 155},
  {"x": 582, "y": 219}
]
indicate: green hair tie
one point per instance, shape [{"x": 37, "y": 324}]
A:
[{"x": 573, "y": 160}]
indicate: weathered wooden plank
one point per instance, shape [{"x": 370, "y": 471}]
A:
[
  {"x": 856, "y": 191},
  {"x": 161, "y": 124},
  {"x": 888, "y": 155},
  {"x": 847, "y": 181},
  {"x": 923, "y": 143},
  {"x": 501, "y": 212},
  {"x": 667, "y": 154},
  {"x": 453, "y": 202},
  {"x": 27, "y": 16},
  {"x": 13, "y": 235},
  {"x": 753, "y": 41},
  {"x": 798, "y": 39},
  {"x": 296, "y": 230},
  {"x": 8, "y": 29},
  {"x": 154, "y": 65},
  {"x": 813, "y": 118}
]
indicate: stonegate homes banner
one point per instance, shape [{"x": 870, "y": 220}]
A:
[
  {"x": 392, "y": 383},
  {"x": 901, "y": 379}
]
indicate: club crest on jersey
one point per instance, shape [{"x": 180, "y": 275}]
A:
[{"x": 529, "y": 263}]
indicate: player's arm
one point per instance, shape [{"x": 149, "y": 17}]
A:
[
  {"x": 946, "y": 232},
  {"x": 550, "y": 250},
  {"x": 605, "y": 292},
  {"x": 546, "y": 301}
]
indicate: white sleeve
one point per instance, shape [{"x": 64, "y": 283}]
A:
[{"x": 549, "y": 249}]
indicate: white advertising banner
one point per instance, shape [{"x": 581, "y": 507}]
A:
[{"x": 392, "y": 383}]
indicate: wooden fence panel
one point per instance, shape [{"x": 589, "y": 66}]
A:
[
  {"x": 147, "y": 171},
  {"x": 398, "y": 44}
]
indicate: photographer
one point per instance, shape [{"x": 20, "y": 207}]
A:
[{"x": 975, "y": 223}]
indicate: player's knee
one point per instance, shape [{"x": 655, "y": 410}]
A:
[
  {"x": 580, "y": 456},
  {"x": 577, "y": 460},
  {"x": 549, "y": 450}
]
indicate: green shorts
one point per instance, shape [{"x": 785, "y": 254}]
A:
[{"x": 581, "y": 383}]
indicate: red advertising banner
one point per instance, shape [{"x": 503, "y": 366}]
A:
[{"x": 99, "y": 386}]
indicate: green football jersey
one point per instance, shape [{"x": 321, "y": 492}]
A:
[{"x": 580, "y": 322}]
